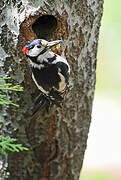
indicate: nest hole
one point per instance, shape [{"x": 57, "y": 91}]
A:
[{"x": 45, "y": 26}]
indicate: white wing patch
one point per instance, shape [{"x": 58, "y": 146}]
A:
[{"x": 61, "y": 59}]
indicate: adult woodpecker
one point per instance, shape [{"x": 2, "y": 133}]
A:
[{"x": 50, "y": 72}]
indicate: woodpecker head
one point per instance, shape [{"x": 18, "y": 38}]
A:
[{"x": 38, "y": 47}]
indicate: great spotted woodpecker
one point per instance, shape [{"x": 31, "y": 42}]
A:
[{"x": 50, "y": 72}]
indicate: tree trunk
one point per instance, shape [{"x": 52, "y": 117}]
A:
[{"x": 56, "y": 141}]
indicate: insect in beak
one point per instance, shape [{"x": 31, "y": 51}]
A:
[{"x": 54, "y": 43}]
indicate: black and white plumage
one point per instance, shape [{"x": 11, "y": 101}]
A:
[{"x": 50, "y": 72}]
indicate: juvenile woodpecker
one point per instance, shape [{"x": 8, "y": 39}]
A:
[{"x": 50, "y": 72}]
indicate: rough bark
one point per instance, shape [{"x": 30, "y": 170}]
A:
[{"x": 56, "y": 141}]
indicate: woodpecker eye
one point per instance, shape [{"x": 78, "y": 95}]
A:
[{"x": 38, "y": 46}]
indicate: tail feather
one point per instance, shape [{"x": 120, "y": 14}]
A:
[
  {"x": 47, "y": 101},
  {"x": 40, "y": 103}
]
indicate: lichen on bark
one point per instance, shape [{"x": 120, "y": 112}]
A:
[{"x": 56, "y": 141}]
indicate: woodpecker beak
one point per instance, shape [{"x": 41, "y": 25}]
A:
[
  {"x": 53, "y": 43},
  {"x": 25, "y": 49}
]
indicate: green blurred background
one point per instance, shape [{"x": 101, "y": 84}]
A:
[
  {"x": 103, "y": 154},
  {"x": 109, "y": 49}
]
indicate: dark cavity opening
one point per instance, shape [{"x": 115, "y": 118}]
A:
[{"x": 45, "y": 26}]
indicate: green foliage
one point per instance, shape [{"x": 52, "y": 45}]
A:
[
  {"x": 8, "y": 86},
  {"x": 8, "y": 144}
]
